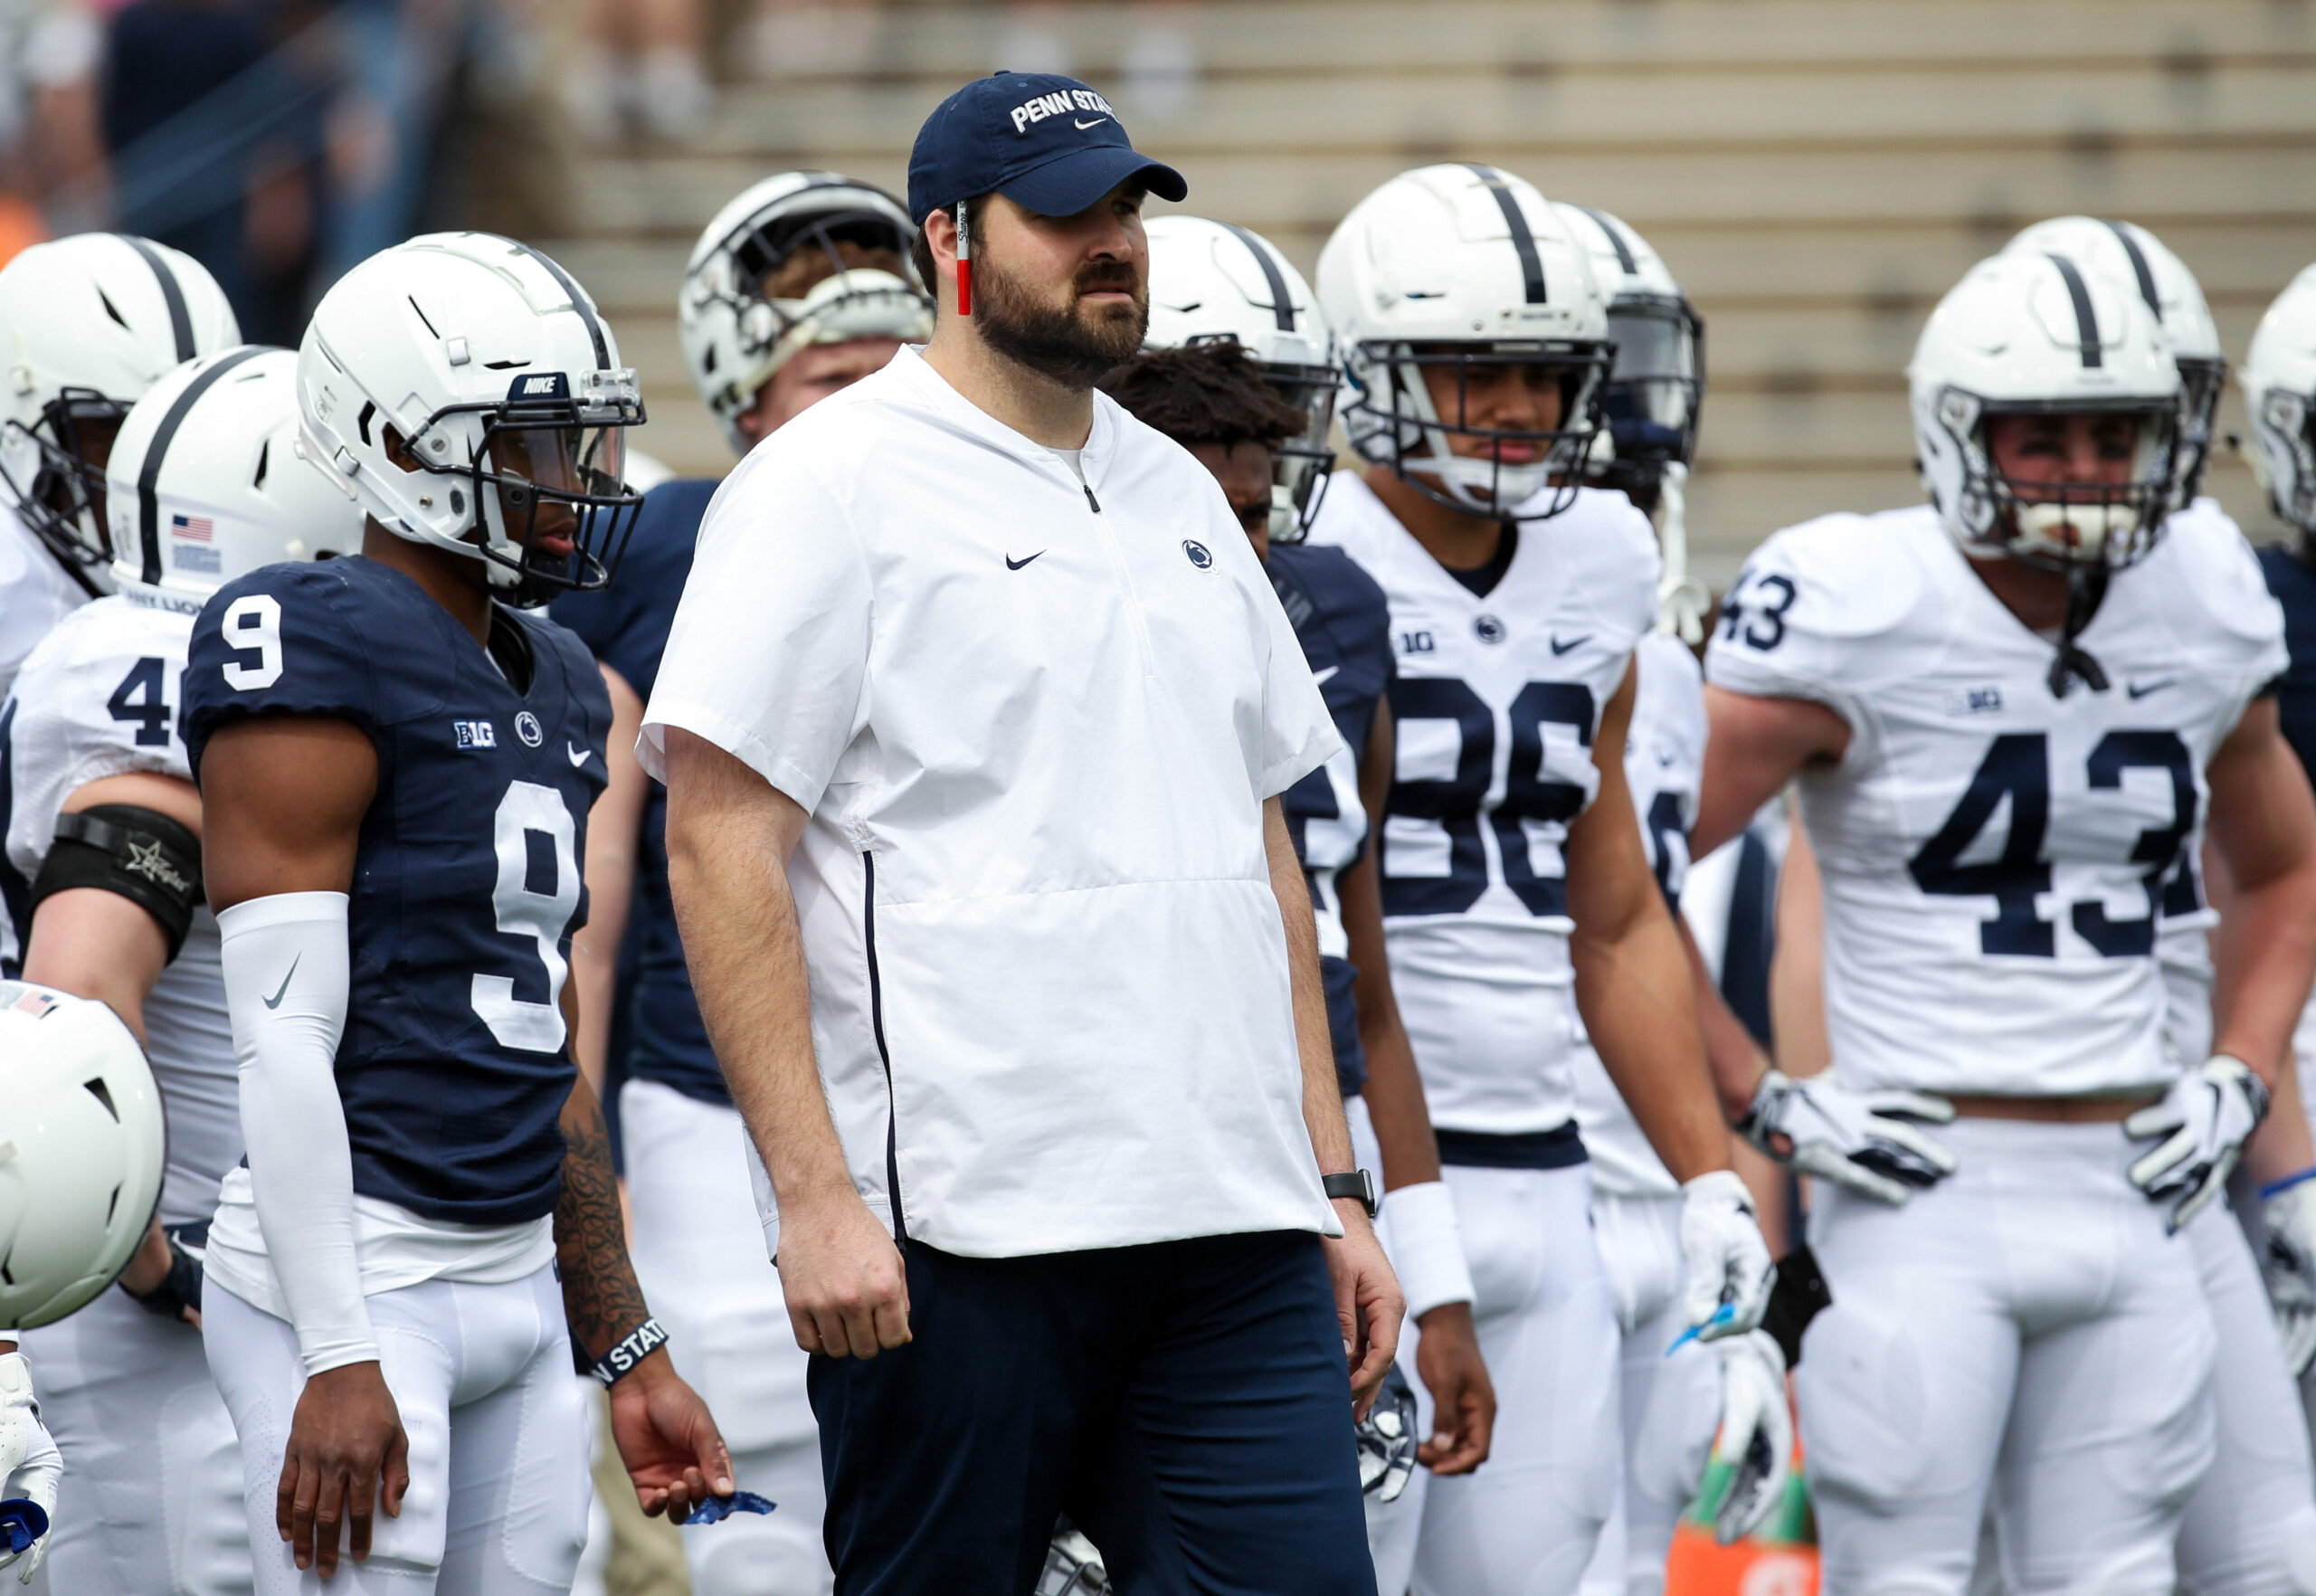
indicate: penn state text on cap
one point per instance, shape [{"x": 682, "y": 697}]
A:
[{"x": 1046, "y": 142}]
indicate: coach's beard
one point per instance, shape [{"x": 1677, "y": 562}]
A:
[{"x": 1063, "y": 343}]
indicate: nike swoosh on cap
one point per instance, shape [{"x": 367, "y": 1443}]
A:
[
  {"x": 1081, "y": 127},
  {"x": 282, "y": 991}
]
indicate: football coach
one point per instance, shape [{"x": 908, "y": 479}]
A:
[{"x": 974, "y": 721}]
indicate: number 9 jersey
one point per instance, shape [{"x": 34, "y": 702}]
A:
[
  {"x": 453, "y": 1067},
  {"x": 1996, "y": 858}
]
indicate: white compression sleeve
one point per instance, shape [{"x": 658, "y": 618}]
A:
[{"x": 286, "y": 978}]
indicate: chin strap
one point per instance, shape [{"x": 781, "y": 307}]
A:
[{"x": 2084, "y": 589}]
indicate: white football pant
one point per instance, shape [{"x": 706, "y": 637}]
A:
[
  {"x": 1526, "y": 1522},
  {"x": 698, "y": 1252},
  {"x": 2023, "y": 1332},
  {"x": 151, "y": 1498},
  {"x": 1670, "y": 1407},
  {"x": 499, "y": 1439}
]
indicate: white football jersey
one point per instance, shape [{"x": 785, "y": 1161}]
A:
[
  {"x": 1494, "y": 708},
  {"x": 35, "y": 593},
  {"x": 1664, "y": 766},
  {"x": 1994, "y": 857},
  {"x": 99, "y": 696}
]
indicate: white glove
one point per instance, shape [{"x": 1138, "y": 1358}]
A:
[
  {"x": 1729, "y": 1267},
  {"x": 28, "y": 1464},
  {"x": 2288, "y": 1264},
  {"x": 2204, "y": 1119},
  {"x": 1860, "y": 1140},
  {"x": 1756, "y": 1433}
]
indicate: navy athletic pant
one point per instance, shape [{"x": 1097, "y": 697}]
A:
[{"x": 1186, "y": 1403}]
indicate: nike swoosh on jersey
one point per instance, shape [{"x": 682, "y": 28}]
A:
[
  {"x": 282, "y": 991},
  {"x": 1081, "y": 127},
  {"x": 1013, "y": 565},
  {"x": 574, "y": 753},
  {"x": 2139, "y": 690},
  {"x": 1321, "y": 677},
  {"x": 1574, "y": 642}
]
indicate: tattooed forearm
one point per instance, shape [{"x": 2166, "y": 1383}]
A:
[{"x": 599, "y": 1296}]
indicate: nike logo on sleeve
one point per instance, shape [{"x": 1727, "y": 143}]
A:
[
  {"x": 283, "y": 990},
  {"x": 574, "y": 753}
]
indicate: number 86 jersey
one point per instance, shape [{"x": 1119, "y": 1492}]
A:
[
  {"x": 1995, "y": 858},
  {"x": 1494, "y": 708},
  {"x": 453, "y": 1069}
]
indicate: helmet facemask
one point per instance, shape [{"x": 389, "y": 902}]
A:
[
  {"x": 64, "y": 503},
  {"x": 1652, "y": 396},
  {"x": 2068, "y": 526},
  {"x": 543, "y": 466},
  {"x": 1302, "y": 464},
  {"x": 1392, "y": 421},
  {"x": 2201, "y": 381},
  {"x": 2286, "y": 421}
]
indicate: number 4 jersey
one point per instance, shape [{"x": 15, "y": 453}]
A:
[
  {"x": 1995, "y": 858},
  {"x": 453, "y": 1069},
  {"x": 1495, "y": 706}
]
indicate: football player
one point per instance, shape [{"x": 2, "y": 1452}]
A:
[
  {"x": 2008, "y": 711},
  {"x": 2254, "y": 1514},
  {"x": 1509, "y": 861},
  {"x": 797, "y": 288},
  {"x": 89, "y": 322},
  {"x": 83, "y": 1167},
  {"x": 395, "y": 765},
  {"x": 2279, "y": 382},
  {"x": 1674, "y": 1393},
  {"x": 1237, "y": 368},
  {"x": 103, "y": 821}
]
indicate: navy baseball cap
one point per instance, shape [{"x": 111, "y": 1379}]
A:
[{"x": 1046, "y": 142}]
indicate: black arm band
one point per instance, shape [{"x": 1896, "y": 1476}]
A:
[
  {"x": 629, "y": 1351},
  {"x": 140, "y": 853}
]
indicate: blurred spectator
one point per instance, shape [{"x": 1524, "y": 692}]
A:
[
  {"x": 50, "y": 51},
  {"x": 640, "y": 69}
]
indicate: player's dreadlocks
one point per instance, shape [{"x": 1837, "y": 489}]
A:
[{"x": 1204, "y": 394}]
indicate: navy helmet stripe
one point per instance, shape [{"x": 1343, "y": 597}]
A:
[
  {"x": 148, "y": 475},
  {"x": 2139, "y": 268},
  {"x": 1531, "y": 264},
  {"x": 172, "y": 294},
  {"x": 2086, "y": 320},
  {"x": 1624, "y": 261},
  {"x": 1282, "y": 304},
  {"x": 580, "y": 304}
]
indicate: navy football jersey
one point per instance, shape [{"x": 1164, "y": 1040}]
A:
[
  {"x": 454, "y": 1065},
  {"x": 2293, "y": 583},
  {"x": 626, "y": 625},
  {"x": 1344, "y": 622}
]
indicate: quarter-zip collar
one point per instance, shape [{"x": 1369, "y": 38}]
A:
[{"x": 909, "y": 370}]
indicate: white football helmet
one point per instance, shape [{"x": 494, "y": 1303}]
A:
[
  {"x": 490, "y": 372},
  {"x": 207, "y": 481},
  {"x": 2279, "y": 382},
  {"x": 1457, "y": 268},
  {"x": 81, "y": 1152},
  {"x": 2138, "y": 259},
  {"x": 91, "y": 322},
  {"x": 735, "y": 337},
  {"x": 2036, "y": 333},
  {"x": 1214, "y": 282}
]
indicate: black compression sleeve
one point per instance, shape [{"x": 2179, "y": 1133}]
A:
[{"x": 140, "y": 853}]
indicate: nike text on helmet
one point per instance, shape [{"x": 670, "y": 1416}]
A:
[
  {"x": 80, "y": 1164},
  {"x": 2279, "y": 382},
  {"x": 2138, "y": 262},
  {"x": 2037, "y": 334},
  {"x": 208, "y": 481},
  {"x": 738, "y": 328},
  {"x": 465, "y": 392},
  {"x": 1458, "y": 268},
  {"x": 1658, "y": 381},
  {"x": 90, "y": 323},
  {"x": 1212, "y": 282}
]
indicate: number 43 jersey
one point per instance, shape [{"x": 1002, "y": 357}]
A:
[
  {"x": 1495, "y": 707},
  {"x": 1995, "y": 859},
  {"x": 453, "y": 1069}
]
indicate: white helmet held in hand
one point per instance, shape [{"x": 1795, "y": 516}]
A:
[
  {"x": 90, "y": 323},
  {"x": 207, "y": 481},
  {"x": 1453, "y": 269},
  {"x": 466, "y": 393},
  {"x": 2279, "y": 381},
  {"x": 2136, "y": 258},
  {"x": 81, "y": 1152},
  {"x": 1215, "y": 282},
  {"x": 2035, "y": 333},
  {"x": 780, "y": 269}
]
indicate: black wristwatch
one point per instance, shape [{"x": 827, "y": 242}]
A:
[{"x": 1357, "y": 1184}]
